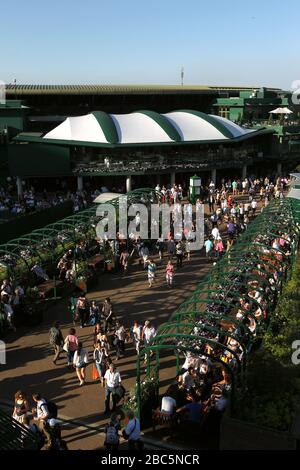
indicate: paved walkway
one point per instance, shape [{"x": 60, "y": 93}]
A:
[{"x": 29, "y": 357}]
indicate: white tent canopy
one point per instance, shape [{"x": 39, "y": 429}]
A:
[
  {"x": 284, "y": 110},
  {"x": 146, "y": 127},
  {"x": 105, "y": 197}
]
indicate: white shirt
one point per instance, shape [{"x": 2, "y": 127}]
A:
[
  {"x": 215, "y": 233},
  {"x": 188, "y": 380},
  {"x": 137, "y": 332},
  {"x": 148, "y": 333},
  {"x": 113, "y": 379},
  {"x": 42, "y": 409},
  {"x": 121, "y": 333},
  {"x": 168, "y": 404},
  {"x": 133, "y": 429},
  {"x": 79, "y": 358}
]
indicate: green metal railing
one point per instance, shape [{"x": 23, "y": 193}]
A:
[{"x": 15, "y": 436}]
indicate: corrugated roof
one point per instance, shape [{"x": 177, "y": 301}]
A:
[{"x": 96, "y": 89}]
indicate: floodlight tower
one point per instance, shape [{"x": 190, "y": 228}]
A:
[{"x": 182, "y": 75}]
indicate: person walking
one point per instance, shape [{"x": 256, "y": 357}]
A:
[
  {"x": 179, "y": 254},
  {"x": 171, "y": 248},
  {"x": 56, "y": 340},
  {"x": 151, "y": 272},
  {"x": 70, "y": 345},
  {"x": 215, "y": 233},
  {"x": 82, "y": 308},
  {"x": 211, "y": 202},
  {"x": 124, "y": 259},
  {"x": 137, "y": 335},
  {"x": 253, "y": 207},
  {"x": 112, "y": 382},
  {"x": 160, "y": 245},
  {"x": 219, "y": 247},
  {"x": 148, "y": 333},
  {"x": 208, "y": 247},
  {"x": 100, "y": 357},
  {"x": 80, "y": 361},
  {"x": 107, "y": 310},
  {"x": 120, "y": 335},
  {"x": 94, "y": 317},
  {"x": 169, "y": 273}
]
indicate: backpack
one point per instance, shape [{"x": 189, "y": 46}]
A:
[
  {"x": 52, "y": 408},
  {"x": 111, "y": 435}
]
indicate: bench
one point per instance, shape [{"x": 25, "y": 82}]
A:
[
  {"x": 47, "y": 287},
  {"x": 160, "y": 418},
  {"x": 95, "y": 261}
]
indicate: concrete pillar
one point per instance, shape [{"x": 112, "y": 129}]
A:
[
  {"x": 173, "y": 178},
  {"x": 279, "y": 169},
  {"x": 244, "y": 172},
  {"x": 79, "y": 183},
  {"x": 214, "y": 175},
  {"x": 19, "y": 187},
  {"x": 128, "y": 183}
]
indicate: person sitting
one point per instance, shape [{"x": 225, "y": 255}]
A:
[
  {"x": 188, "y": 378},
  {"x": 168, "y": 404},
  {"x": 193, "y": 412}
]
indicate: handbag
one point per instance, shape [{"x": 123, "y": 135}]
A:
[
  {"x": 95, "y": 375},
  {"x": 66, "y": 345}
]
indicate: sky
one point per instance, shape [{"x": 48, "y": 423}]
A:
[{"x": 147, "y": 42}]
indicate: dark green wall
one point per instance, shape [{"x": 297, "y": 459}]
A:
[
  {"x": 38, "y": 160},
  {"x": 26, "y": 223}
]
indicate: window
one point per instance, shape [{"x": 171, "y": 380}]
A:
[{"x": 224, "y": 112}]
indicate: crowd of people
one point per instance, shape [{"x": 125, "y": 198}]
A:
[
  {"x": 202, "y": 387},
  {"x": 33, "y": 200}
]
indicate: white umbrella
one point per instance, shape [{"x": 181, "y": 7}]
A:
[
  {"x": 105, "y": 197},
  {"x": 281, "y": 111}
]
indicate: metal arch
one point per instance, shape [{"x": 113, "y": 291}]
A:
[
  {"x": 241, "y": 259},
  {"x": 15, "y": 255},
  {"x": 210, "y": 315},
  {"x": 63, "y": 225},
  {"x": 53, "y": 233},
  {"x": 202, "y": 340},
  {"x": 255, "y": 253},
  {"x": 221, "y": 302},
  {"x": 209, "y": 328},
  {"x": 211, "y": 299},
  {"x": 30, "y": 246}
]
